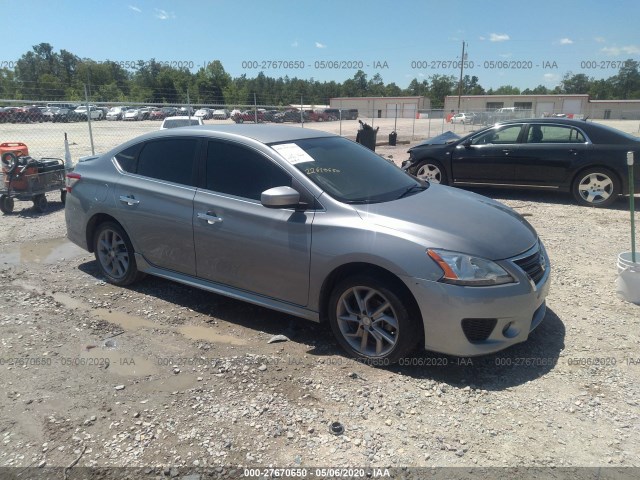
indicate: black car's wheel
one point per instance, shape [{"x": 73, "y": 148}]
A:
[
  {"x": 6, "y": 204},
  {"x": 115, "y": 255},
  {"x": 431, "y": 171},
  {"x": 371, "y": 320},
  {"x": 9, "y": 162},
  {"x": 40, "y": 202},
  {"x": 596, "y": 187}
]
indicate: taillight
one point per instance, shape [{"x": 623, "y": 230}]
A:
[{"x": 72, "y": 179}]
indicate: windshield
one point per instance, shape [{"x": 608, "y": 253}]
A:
[
  {"x": 347, "y": 171},
  {"x": 180, "y": 123}
]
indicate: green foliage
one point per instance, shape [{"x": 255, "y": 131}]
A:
[{"x": 43, "y": 74}]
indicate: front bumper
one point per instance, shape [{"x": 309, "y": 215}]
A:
[{"x": 471, "y": 321}]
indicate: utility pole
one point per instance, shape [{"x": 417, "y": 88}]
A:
[{"x": 462, "y": 58}]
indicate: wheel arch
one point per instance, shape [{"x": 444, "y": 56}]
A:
[
  {"x": 356, "y": 268},
  {"x": 93, "y": 224},
  {"x": 621, "y": 180}
]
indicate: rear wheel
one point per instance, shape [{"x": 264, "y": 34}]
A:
[
  {"x": 371, "y": 320},
  {"x": 596, "y": 187},
  {"x": 63, "y": 196},
  {"x": 115, "y": 255},
  {"x": 6, "y": 204},
  {"x": 40, "y": 202},
  {"x": 431, "y": 171}
]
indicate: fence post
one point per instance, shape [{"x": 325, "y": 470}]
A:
[{"x": 86, "y": 96}]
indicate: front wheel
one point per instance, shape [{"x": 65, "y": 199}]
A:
[
  {"x": 431, "y": 171},
  {"x": 596, "y": 187},
  {"x": 371, "y": 320},
  {"x": 115, "y": 255}
]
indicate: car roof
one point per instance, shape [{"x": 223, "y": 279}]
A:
[{"x": 260, "y": 133}]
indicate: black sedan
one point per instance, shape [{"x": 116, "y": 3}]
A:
[{"x": 584, "y": 158}]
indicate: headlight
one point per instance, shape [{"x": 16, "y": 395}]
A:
[{"x": 462, "y": 269}]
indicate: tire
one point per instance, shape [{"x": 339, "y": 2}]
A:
[
  {"x": 63, "y": 196},
  {"x": 9, "y": 162},
  {"x": 430, "y": 170},
  {"x": 596, "y": 187},
  {"x": 371, "y": 320},
  {"x": 40, "y": 203},
  {"x": 6, "y": 204},
  {"x": 115, "y": 255}
]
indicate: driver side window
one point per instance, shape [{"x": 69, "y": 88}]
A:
[{"x": 499, "y": 136}]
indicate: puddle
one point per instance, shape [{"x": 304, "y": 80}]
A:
[
  {"x": 208, "y": 334},
  {"x": 126, "y": 321},
  {"x": 46, "y": 251}
]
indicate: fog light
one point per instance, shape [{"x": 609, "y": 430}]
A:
[{"x": 510, "y": 330}]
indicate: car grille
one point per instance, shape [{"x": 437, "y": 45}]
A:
[
  {"x": 533, "y": 266},
  {"x": 478, "y": 329}
]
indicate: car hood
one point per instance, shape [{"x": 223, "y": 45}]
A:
[
  {"x": 442, "y": 139},
  {"x": 452, "y": 219}
]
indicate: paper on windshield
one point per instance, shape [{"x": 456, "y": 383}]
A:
[{"x": 292, "y": 153}]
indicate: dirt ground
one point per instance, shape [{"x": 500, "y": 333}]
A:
[{"x": 164, "y": 376}]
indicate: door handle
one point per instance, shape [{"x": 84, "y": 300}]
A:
[
  {"x": 211, "y": 219},
  {"x": 129, "y": 200},
  {"x": 506, "y": 151},
  {"x": 573, "y": 151}
]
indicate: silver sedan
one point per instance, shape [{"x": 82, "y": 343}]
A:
[{"x": 317, "y": 226}]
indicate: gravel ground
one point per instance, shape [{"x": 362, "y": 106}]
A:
[{"x": 164, "y": 376}]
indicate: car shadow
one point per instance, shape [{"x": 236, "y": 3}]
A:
[
  {"x": 542, "y": 196},
  {"x": 224, "y": 308},
  {"x": 514, "y": 366}
]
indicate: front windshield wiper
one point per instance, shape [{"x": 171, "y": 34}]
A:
[{"x": 413, "y": 188}]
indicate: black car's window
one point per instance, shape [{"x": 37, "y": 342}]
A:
[
  {"x": 171, "y": 160},
  {"x": 241, "y": 171},
  {"x": 502, "y": 135},
  {"x": 539, "y": 133},
  {"x": 127, "y": 158}
]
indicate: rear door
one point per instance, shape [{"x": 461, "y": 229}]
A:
[
  {"x": 547, "y": 154},
  {"x": 238, "y": 241},
  {"x": 155, "y": 200}
]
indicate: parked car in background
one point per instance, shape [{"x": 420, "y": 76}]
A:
[
  {"x": 385, "y": 272},
  {"x": 317, "y": 115},
  {"x": 585, "y": 158},
  {"x": 95, "y": 112},
  {"x": 6, "y": 114},
  {"x": 134, "y": 114},
  {"x": 249, "y": 116},
  {"x": 463, "y": 118},
  {"x": 116, "y": 113},
  {"x": 162, "y": 113},
  {"x": 291, "y": 115},
  {"x": 180, "y": 121},
  {"x": 220, "y": 114},
  {"x": 27, "y": 114},
  {"x": 203, "y": 113},
  {"x": 185, "y": 111}
]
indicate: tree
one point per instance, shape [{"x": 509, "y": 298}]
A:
[
  {"x": 626, "y": 84},
  {"x": 575, "y": 84},
  {"x": 441, "y": 86},
  {"x": 507, "y": 90}
]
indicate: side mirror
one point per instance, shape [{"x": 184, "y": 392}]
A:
[
  {"x": 467, "y": 143},
  {"x": 280, "y": 197}
]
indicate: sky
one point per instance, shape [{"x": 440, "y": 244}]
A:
[{"x": 523, "y": 44}]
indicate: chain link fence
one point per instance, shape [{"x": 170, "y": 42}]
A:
[{"x": 98, "y": 127}]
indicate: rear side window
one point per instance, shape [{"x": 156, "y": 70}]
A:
[
  {"x": 241, "y": 171},
  {"x": 171, "y": 160},
  {"x": 540, "y": 133},
  {"x": 127, "y": 158}
]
